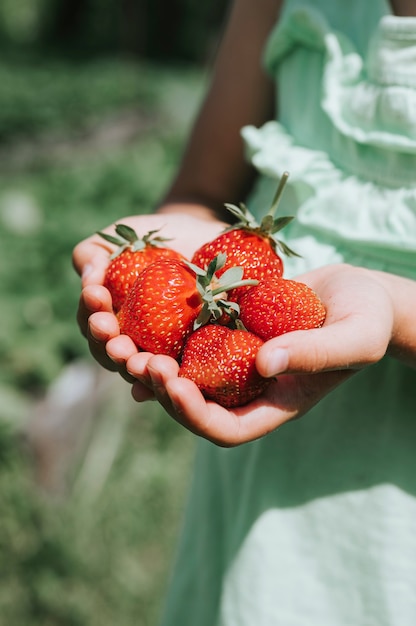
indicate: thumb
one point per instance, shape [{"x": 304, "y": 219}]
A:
[{"x": 351, "y": 343}]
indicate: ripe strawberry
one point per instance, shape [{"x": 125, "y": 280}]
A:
[
  {"x": 249, "y": 245},
  {"x": 132, "y": 256},
  {"x": 170, "y": 299},
  {"x": 221, "y": 362},
  {"x": 277, "y": 306}
]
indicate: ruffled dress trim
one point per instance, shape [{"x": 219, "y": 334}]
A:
[{"x": 355, "y": 196}]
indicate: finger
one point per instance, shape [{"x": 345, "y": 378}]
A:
[
  {"x": 348, "y": 344},
  {"x": 142, "y": 389},
  {"x": 137, "y": 366},
  {"x": 182, "y": 399},
  {"x": 93, "y": 299},
  {"x": 162, "y": 372},
  {"x": 101, "y": 328},
  {"x": 119, "y": 349},
  {"x": 90, "y": 259},
  {"x": 186, "y": 404},
  {"x": 286, "y": 398},
  {"x": 226, "y": 428},
  {"x": 141, "y": 393},
  {"x": 160, "y": 369}
]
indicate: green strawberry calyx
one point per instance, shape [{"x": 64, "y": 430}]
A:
[
  {"x": 269, "y": 225},
  {"x": 213, "y": 289},
  {"x": 127, "y": 239}
]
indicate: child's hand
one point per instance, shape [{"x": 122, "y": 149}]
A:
[
  {"x": 288, "y": 397},
  {"x": 187, "y": 231},
  {"x": 360, "y": 327}
]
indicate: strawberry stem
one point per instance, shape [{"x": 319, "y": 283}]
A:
[
  {"x": 212, "y": 290},
  {"x": 127, "y": 239},
  {"x": 278, "y": 194}
]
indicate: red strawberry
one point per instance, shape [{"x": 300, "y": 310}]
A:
[
  {"x": 248, "y": 244},
  {"x": 170, "y": 299},
  {"x": 132, "y": 256},
  {"x": 221, "y": 362},
  {"x": 277, "y": 306}
]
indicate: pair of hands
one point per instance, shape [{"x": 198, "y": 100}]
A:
[{"x": 307, "y": 364}]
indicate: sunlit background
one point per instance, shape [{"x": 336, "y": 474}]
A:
[{"x": 96, "y": 97}]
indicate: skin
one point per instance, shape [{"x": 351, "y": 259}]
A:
[{"x": 368, "y": 313}]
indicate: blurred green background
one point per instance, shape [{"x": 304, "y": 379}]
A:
[{"x": 96, "y": 98}]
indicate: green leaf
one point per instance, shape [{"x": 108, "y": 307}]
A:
[
  {"x": 203, "y": 317},
  {"x": 232, "y": 308},
  {"x": 216, "y": 264},
  {"x": 129, "y": 234},
  {"x": 111, "y": 239},
  {"x": 195, "y": 268},
  {"x": 267, "y": 223},
  {"x": 232, "y": 275},
  {"x": 155, "y": 241},
  {"x": 205, "y": 292},
  {"x": 245, "y": 218},
  {"x": 286, "y": 250},
  {"x": 281, "y": 222},
  {"x": 235, "y": 210},
  {"x": 151, "y": 233}
]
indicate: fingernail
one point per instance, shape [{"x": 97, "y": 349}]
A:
[{"x": 277, "y": 362}]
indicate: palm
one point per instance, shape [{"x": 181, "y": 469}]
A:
[{"x": 288, "y": 397}]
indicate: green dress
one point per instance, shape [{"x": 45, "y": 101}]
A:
[{"x": 316, "y": 523}]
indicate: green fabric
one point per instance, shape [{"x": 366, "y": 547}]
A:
[{"x": 315, "y": 524}]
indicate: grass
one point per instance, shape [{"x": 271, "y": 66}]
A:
[{"x": 91, "y": 486}]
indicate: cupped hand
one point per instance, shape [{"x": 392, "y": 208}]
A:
[
  {"x": 305, "y": 365},
  {"x": 184, "y": 230},
  {"x": 95, "y": 317}
]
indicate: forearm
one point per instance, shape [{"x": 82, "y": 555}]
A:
[{"x": 213, "y": 169}]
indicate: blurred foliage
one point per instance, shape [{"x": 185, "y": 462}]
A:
[
  {"x": 152, "y": 29},
  {"x": 98, "y": 554},
  {"x": 49, "y": 96},
  {"x": 91, "y": 128},
  {"x": 44, "y": 212},
  {"x": 101, "y": 555}
]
